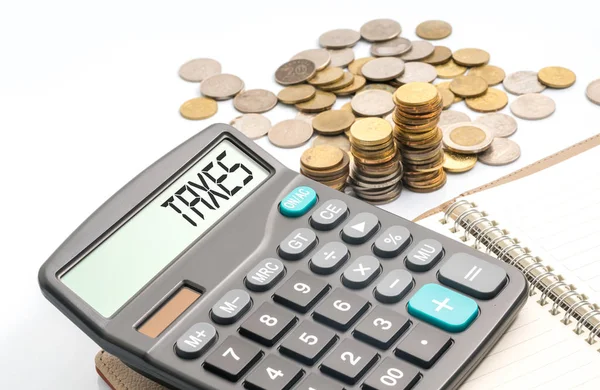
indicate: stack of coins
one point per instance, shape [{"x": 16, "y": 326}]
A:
[
  {"x": 418, "y": 110},
  {"x": 376, "y": 173},
  {"x": 327, "y": 164}
]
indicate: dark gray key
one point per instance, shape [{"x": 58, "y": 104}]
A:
[
  {"x": 297, "y": 244},
  {"x": 196, "y": 341},
  {"x": 394, "y": 286},
  {"x": 361, "y": 272},
  {"x": 392, "y": 374},
  {"x": 231, "y": 307},
  {"x": 349, "y": 361},
  {"x": 318, "y": 382},
  {"x": 273, "y": 373},
  {"x": 233, "y": 358},
  {"x": 381, "y": 328},
  {"x": 392, "y": 241},
  {"x": 424, "y": 255},
  {"x": 360, "y": 228},
  {"x": 268, "y": 324},
  {"x": 423, "y": 346},
  {"x": 341, "y": 309},
  {"x": 329, "y": 258},
  {"x": 265, "y": 275},
  {"x": 308, "y": 343},
  {"x": 329, "y": 215},
  {"x": 301, "y": 292},
  {"x": 471, "y": 275}
]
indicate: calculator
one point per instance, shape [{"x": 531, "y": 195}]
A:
[{"x": 218, "y": 268}]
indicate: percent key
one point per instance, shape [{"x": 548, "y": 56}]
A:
[{"x": 393, "y": 241}]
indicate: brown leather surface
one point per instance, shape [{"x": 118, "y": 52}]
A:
[{"x": 120, "y": 377}]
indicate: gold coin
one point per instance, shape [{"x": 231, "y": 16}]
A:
[
  {"x": 347, "y": 107},
  {"x": 327, "y": 76},
  {"x": 321, "y": 102},
  {"x": 345, "y": 81},
  {"x": 434, "y": 29},
  {"x": 447, "y": 98},
  {"x": 341, "y": 141},
  {"x": 322, "y": 157},
  {"x": 450, "y": 70},
  {"x": 468, "y": 86},
  {"x": 371, "y": 131},
  {"x": 355, "y": 66},
  {"x": 446, "y": 85},
  {"x": 557, "y": 77},
  {"x": 198, "y": 108},
  {"x": 296, "y": 94},
  {"x": 493, "y": 75},
  {"x": 468, "y": 138},
  {"x": 457, "y": 163},
  {"x": 491, "y": 101},
  {"x": 357, "y": 84},
  {"x": 415, "y": 94},
  {"x": 471, "y": 57},
  {"x": 440, "y": 55},
  {"x": 333, "y": 122}
]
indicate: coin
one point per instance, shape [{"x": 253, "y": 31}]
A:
[
  {"x": 371, "y": 131},
  {"x": 198, "y": 108},
  {"x": 383, "y": 68},
  {"x": 533, "y": 106},
  {"x": 418, "y": 51},
  {"x": 221, "y": 86},
  {"x": 440, "y": 55},
  {"x": 470, "y": 138},
  {"x": 327, "y": 76},
  {"x": 468, "y": 86},
  {"x": 451, "y": 117},
  {"x": 341, "y": 58},
  {"x": 341, "y": 141},
  {"x": 493, "y": 100},
  {"x": 199, "y": 69},
  {"x": 355, "y": 66},
  {"x": 252, "y": 126},
  {"x": 346, "y": 80},
  {"x": 320, "y": 57},
  {"x": 339, "y": 39},
  {"x": 372, "y": 103},
  {"x": 295, "y": 72},
  {"x": 357, "y": 84},
  {"x": 393, "y": 47},
  {"x": 380, "y": 30},
  {"x": 417, "y": 72},
  {"x": 502, "y": 151},
  {"x": 458, "y": 163},
  {"x": 447, "y": 98},
  {"x": 415, "y": 94},
  {"x": 493, "y": 75},
  {"x": 295, "y": 94},
  {"x": 557, "y": 77},
  {"x": 306, "y": 117},
  {"x": 471, "y": 57},
  {"x": 321, "y": 102},
  {"x": 333, "y": 122},
  {"x": 434, "y": 29},
  {"x": 322, "y": 157},
  {"x": 520, "y": 83},
  {"x": 446, "y": 85},
  {"x": 502, "y": 125},
  {"x": 450, "y": 70},
  {"x": 383, "y": 87},
  {"x": 290, "y": 133},
  {"x": 593, "y": 92},
  {"x": 255, "y": 101}
]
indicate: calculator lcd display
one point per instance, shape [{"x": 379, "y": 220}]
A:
[{"x": 134, "y": 254}]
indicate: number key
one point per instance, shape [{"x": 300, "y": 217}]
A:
[
  {"x": 349, "y": 361},
  {"x": 318, "y": 382},
  {"x": 341, "y": 309},
  {"x": 392, "y": 374},
  {"x": 233, "y": 358},
  {"x": 381, "y": 328},
  {"x": 301, "y": 292},
  {"x": 268, "y": 324},
  {"x": 308, "y": 343},
  {"x": 273, "y": 373}
]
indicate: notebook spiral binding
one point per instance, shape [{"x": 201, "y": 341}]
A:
[{"x": 475, "y": 225}]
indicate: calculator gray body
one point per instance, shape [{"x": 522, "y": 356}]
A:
[{"x": 219, "y": 261}]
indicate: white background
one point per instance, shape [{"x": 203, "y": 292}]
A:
[{"x": 89, "y": 96}]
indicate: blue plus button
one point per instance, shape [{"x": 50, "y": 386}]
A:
[
  {"x": 443, "y": 308},
  {"x": 298, "y": 202}
]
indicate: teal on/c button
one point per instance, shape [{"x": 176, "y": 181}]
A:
[
  {"x": 443, "y": 308},
  {"x": 298, "y": 202}
]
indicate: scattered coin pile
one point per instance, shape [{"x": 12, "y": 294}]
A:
[
  {"x": 327, "y": 164},
  {"x": 418, "y": 109},
  {"x": 376, "y": 174}
]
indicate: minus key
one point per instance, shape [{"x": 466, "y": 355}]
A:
[{"x": 394, "y": 286}]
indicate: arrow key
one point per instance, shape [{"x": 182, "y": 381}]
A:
[{"x": 361, "y": 228}]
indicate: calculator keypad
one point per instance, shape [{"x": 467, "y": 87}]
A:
[
  {"x": 265, "y": 275},
  {"x": 308, "y": 343},
  {"x": 349, "y": 361},
  {"x": 231, "y": 307},
  {"x": 329, "y": 215},
  {"x": 473, "y": 276},
  {"x": 318, "y": 382},
  {"x": 233, "y": 358},
  {"x": 361, "y": 272},
  {"x": 329, "y": 258},
  {"x": 392, "y": 374},
  {"x": 301, "y": 292},
  {"x": 394, "y": 286},
  {"x": 360, "y": 228},
  {"x": 196, "y": 341},
  {"x": 273, "y": 373},
  {"x": 392, "y": 241},
  {"x": 268, "y": 324},
  {"x": 381, "y": 328},
  {"x": 297, "y": 244},
  {"x": 341, "y": 309},
  {"x": 424, "y": 255},
  {"x": 423, "y": 346}
]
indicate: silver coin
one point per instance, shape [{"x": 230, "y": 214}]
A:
[
  {"x": 533, "y": 106},
  {"x": 295, "y": 72},
  {"x": 451, "y": 117},
  {"x": 502, "y": 151},
  {"x": 372, "y": 103},
  {"x": 255, "y": 101},
  {"x": 593, "y": 92},
  {"x": 252, "y": 126},
  {"x": 417, "y": 72},
  {"x": 341, "y": 58},
  {"x": 520, "y": 83},
  {"x": 502, "y": 125},
  {"x": 419, "y": 50},
  {"x": 341, "y": 141},
  {"x": 380, "y": 30},
  {"x": 199, "y": 69},
  {"x": 320, "y": 57},
  {"x": 221, "y": 86},
  {"x": 383, "y": 69},
  {"x": 339, "y": 39},
  {"x": 391, "y": 48}
]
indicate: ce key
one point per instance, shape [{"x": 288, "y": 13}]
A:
[{"x": 329, "y": 215}]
